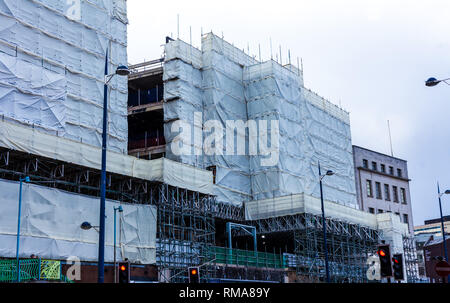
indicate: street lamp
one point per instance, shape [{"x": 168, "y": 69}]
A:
[
  {"x": 88, "y": 226},
  {"x": 26, "y": 179},
  {"x": 120, "y": 209},
  {"x": 433, "y": 82},
  {"x": 121, "y": 71},
  {"x": 447, "y": 192},
  {"x": 324, "y": 225}
]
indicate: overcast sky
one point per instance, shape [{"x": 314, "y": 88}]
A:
[{"x": 372, "y": 57}]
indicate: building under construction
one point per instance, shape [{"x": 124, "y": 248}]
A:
[
  {"x": 245, "y": 208},
  {"x": 260, "y": 222}
]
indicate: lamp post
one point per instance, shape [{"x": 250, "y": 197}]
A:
[
  {"x": 121, "y": 71},
  {"x": 447, "y": 192},
  {"x": 120, "y": 209},
  {"x": 324, "y": 225},
  {"x": 26, "y": 179},
  {"x": 433, "y": 82}
]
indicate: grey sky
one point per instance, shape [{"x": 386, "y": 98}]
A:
[{"x": 370, "y": 56}]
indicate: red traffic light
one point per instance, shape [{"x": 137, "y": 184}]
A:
[
  {"x": 395, "y": 260},
  {"x": 194, "y": 274},
  {"x": 382, "y": 253},
  {"x": 123, "y": 268}
]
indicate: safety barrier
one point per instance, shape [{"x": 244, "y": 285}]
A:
[
  {"x": 229, "y": 256},
  {"x": 31, "y": 270}
]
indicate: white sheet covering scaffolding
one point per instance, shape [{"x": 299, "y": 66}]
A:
[
  {"x": 25, "y": 139},
  {"x": 225, "y": 84},
  {"x": 52, "y": 62},
  {"x": 301, "y": 204},
  {"x": 51, "y": 220}
]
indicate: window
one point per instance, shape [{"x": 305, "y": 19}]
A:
[
  {"x": 399, "y": 173},
  {"x": 213, "y": 169},
  {"x": 378, "y": 190},
  {"x": 403, "y": 195},
  {"x": 374, "y": 166},
  {"x": 398, "y": 214},
  {"x": 369, "y": 188},
  {"x": 380, "y": 211},
  {"x": 383, "y": 168},
  {"x": 371, "y": 210},
  {"x": 405, "y": 219},
  {"x": 395, "y": 189},
  {"x": 387, "y": 192},
  {"x": 391, "y": 170},
  {"x": 365, "y": 163}
]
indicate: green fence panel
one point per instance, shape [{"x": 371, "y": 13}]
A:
[{"x": 31, "y": 270}]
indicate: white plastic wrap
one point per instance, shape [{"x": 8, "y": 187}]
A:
[
  {"x": 302, "y": 203},
  {"x": 52, "y": 59},
  {"x": 25, "y": 139},
  {"x": 235, "y": 87},
  {"x": 51, "y": 220}
]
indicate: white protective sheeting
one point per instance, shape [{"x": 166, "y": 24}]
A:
[
  {"x": 50, "y": 226},
  {"x": 24, "y": 139},
  {"x": 52, "y": 63},
  {"x": 302, "y": 203},
  {"x": 392, "y": 230},
  {"x": 225, "y": 84}
]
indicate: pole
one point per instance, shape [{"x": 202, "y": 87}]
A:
[
  {"x": 324, "y": 228},
  {"x": 115, "y": 263},
  {"x": 443, "y": 227},
  {"x": 101, "y": 242},
  {"x": 18, "y": 231}
]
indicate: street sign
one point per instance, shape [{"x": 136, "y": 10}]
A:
[{"x": 443, "y": 269}]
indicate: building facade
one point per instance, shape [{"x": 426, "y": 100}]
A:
[
  {"x": 433, "y": 251},
  {"x": 382, "y": 184},
  {"x": 433, "y": 227}
]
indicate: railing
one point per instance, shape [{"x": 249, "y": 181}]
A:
[
  {"x": 31, "y": 270},
  {"x": 239, "y": 257}
]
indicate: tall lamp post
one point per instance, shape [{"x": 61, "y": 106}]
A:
[
  {"x": 447, "y": 192},
  {"x": 120, "y": 209},
  {"x": 324, "y": 225},
  {"x": 121, "y": 71},
  {"x": 26, "y": 179},
  {"x": 431, "y": 82}
]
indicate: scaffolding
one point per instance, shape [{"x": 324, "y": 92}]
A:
[
  {"x": 349, "y": 246},
  {"x": 185, "y": 225},
  {"x": 411, "y": 260}
]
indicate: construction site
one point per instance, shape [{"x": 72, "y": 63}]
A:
[{"x": 249, "y": 216}]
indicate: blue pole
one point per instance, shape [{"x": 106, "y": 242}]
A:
[
  {"x": 324, "y": 228},
  {"x": 101, "y": 242},
  {"x": 255, "y": 241},
  {"x": 18, "y": 232},
  {"x": 230, "y": 243},
  {"x": 115, "y": 266},
  {"x": 443, "y": 227}
]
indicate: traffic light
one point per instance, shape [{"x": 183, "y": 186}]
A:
[
  {"x": 124, "y": 272},
  {"x": 397, "y": 265},
  {"x": 384, "y": 253},
  {"x": 194, "y": 275}
]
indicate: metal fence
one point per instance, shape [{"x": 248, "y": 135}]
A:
[
  {"x": 31, "y": 270},
  {"x": 228, "y": 256}
]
